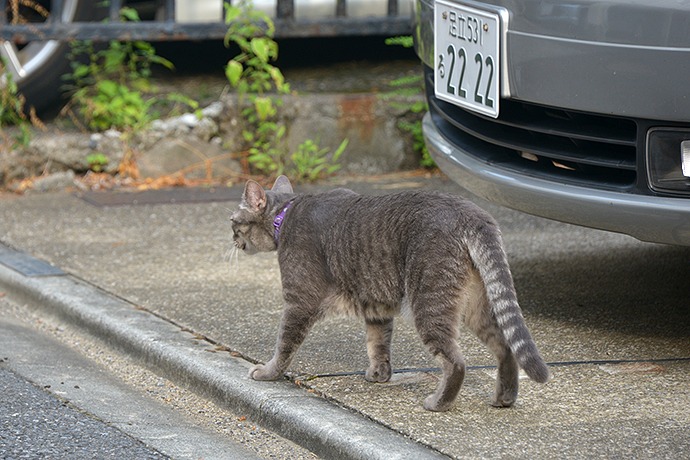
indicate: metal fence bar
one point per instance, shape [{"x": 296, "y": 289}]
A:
[
  {"x": 170, "y": 11},
  {"x": 114, "y": 11},
  {"x": 3, "y": 11},
  {"x": 56, "y": 11},
  {"x": 286, "y": 26},
  {"x": 344, "y": 27},
  {"x": 341, "y": 8},
  {"x": 285, "y": 9},
  {"x": 392, "y": 7},
  {"x": 161, "y": 31}
]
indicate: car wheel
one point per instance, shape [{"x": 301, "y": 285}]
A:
[{"x": 38, "y": 67}]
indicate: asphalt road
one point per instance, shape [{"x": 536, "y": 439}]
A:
[
  {"x": 66, "y": 395},
  {"x": 609, "y": 313},
  {"x": 36, "y": 424}
]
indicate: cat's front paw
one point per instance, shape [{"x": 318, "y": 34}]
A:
[
  {"x": 379, "y": 373},
  {"x": 503, "y": 401},
  {"x": 264, "y": 372}
]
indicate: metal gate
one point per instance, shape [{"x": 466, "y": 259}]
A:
[{"x": 166, "y": 28}]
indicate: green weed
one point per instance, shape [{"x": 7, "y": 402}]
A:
[
  {"x": 97, "y": 162},
  {"x": 112, "y": 88},
  {"x": 12, "y": 114},
  {"x": 407, "y": 86},
  {"x": 312, "y": 162},
  {"x": 258, "y": 83}
]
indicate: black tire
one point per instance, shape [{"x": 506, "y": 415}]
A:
[{"x": 46, "y": 62}]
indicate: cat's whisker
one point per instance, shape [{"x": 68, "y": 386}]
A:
[
  {"x": 234, "y": 262},
  {"x": 233, "y": 258}
]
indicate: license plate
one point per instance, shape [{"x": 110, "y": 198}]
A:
[{"x": 467, "y": 59}]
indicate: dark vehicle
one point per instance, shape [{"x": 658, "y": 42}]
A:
[{"x": 577, "y": 111}]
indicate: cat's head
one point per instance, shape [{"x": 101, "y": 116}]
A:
[{"x": 252, "y": 223}]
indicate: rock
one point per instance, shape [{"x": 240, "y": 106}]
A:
[
  {"x": 213, "y": 111},
  {"x": 158, "y": 125},
  {"x": 193, "y": 158},
  {"x": 206, "y": 129},
  {"x": 369, "y": 122},
  {"x": 54, "y": 181},
  {"x": 113, "y": 134},
  {"x": 186, "y": 124},
  {"x": 198, "y": 147},
  {"x": 188, "y": 119},
  {"x": 68, "y": 150},
  {"x": 54, "y": 152}
]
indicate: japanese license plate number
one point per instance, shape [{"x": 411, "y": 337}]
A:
[{"x": 467, "y": 59}]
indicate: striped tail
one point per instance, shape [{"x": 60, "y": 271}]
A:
[{"x": 485, "y": 246}]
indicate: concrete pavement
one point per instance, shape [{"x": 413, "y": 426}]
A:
[{"x": 154, "y": 278}]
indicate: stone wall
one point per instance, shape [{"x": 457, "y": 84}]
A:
[{"x": 198, "y": 147}]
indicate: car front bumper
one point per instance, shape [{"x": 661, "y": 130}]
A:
[
  {"x": 648, "y": 218},
  {"x": 578, "y": 105}
]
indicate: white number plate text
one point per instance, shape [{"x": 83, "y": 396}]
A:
[{"x": 467, "y": 59}]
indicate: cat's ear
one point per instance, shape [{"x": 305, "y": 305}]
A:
[
  {"x": 282, "y": 185},
  {"x": 254, "y": 197}
]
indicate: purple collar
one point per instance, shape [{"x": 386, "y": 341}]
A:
[{"x": 278, "y": 220}]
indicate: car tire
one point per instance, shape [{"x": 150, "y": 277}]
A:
[{"x": 43, "y": 64}]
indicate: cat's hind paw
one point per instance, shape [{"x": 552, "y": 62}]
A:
[
  {"x": 264, "y": 372},
  {"x": 434, "y": 404}
]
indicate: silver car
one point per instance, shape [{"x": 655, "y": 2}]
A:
[{"x": 577, "y": 111}]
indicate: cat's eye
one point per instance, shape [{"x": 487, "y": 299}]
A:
[{"x": 240, "y": 228}]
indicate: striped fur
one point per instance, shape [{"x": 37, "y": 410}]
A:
[
  {"x": 486, "y": 250},
  {"x": 434, "y": 258}
]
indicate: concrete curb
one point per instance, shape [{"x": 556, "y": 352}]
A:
[{"x": 310, "y": 421}]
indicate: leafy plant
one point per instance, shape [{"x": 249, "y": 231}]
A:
[
  {"x": 12, "y": 112},
  {"x": 312, "y": 162},
  {"x": 97, "y": 162},
  {"x": 409, "y": 86},
  {"x": 406, "y": 41},
  {"x": 252, "y": 75},
  {"x": 257, "y": 82},
  {"x": 110, "y": 87},
  {"x": 177, "y": 99}
]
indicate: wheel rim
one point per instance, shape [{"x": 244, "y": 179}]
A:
[{"x": 21, "y": 62}]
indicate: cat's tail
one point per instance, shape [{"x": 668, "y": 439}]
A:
[{"x": 491, "y": 262}]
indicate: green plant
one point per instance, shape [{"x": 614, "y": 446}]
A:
[
  {"x": 251, "y": 71},
  {"x": 410, "y": 86},
  {"x": 97, "y": 162},
  {"x": 176, "y": 101},
  {"x": 12, "y": 112},
  {"x": 266, "y": 152},
  {"x": 406, "y": 41},
  {"x": 310, "y": 162},
  {"x": 258, "y": 82},
  {"x": 252, "y": 75},
  {"x": 110, "y": 87}
]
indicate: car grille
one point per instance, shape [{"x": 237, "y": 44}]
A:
[{"x": 544, "y": 142}]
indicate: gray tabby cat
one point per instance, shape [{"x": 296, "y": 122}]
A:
[{"x": 435, "y": 258}]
